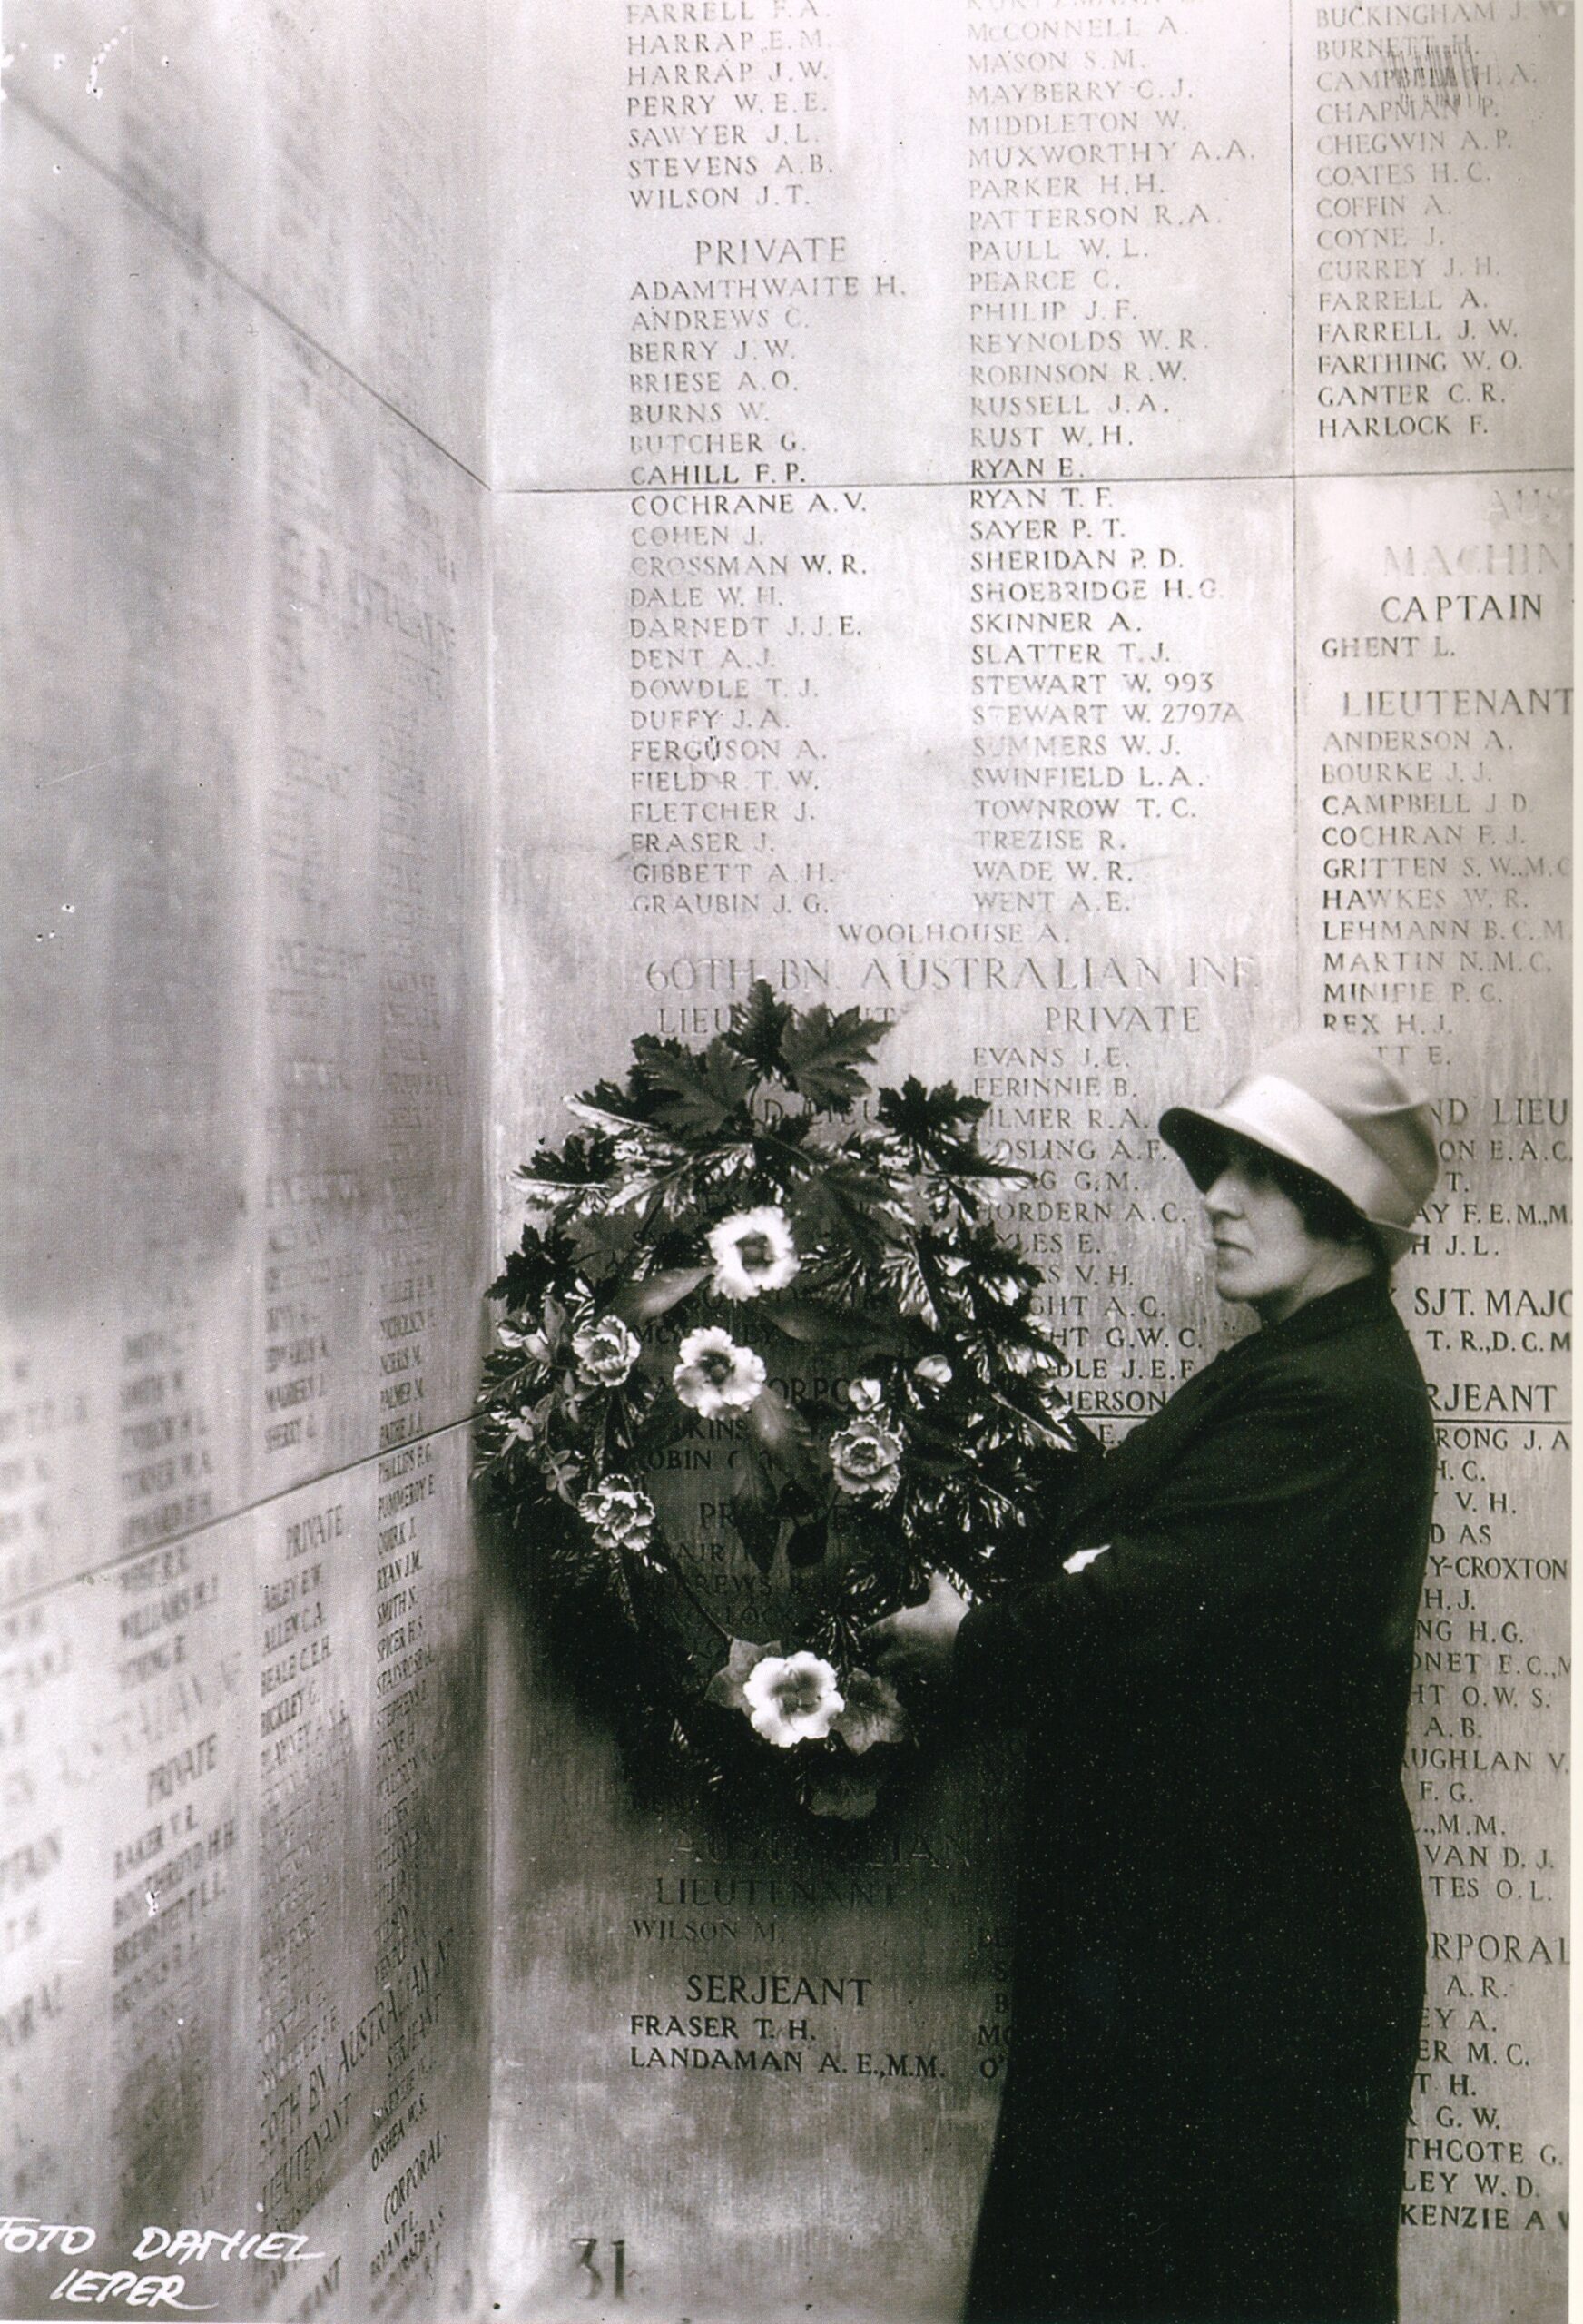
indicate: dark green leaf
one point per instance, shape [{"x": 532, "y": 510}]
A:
[
  {"x": 783, "y": 1436},
  {"x": 702, "y": 1092},
  {"x": 656, "y": 1294},
  {"x": 630, "y": 1100},
  {"x": 922, "y": 1115},
  {"x": 806, "y": 1544},
  {"x": 939, "y": 1129},
  {"x": 756, "y": 1027},
  {"x": 839, "y": 1204},
  {"x": 580, "y": 1162},
  {"x": 822, "y": 1052},
  {"x": 603, "y": 1242},
  {"x": 538, "y": 1262},
  {"x": 754, "y": 1510},
  {"x": 834, "y": 1328}
]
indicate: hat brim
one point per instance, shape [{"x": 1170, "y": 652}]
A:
[{"x": 1198, "y": 1136}]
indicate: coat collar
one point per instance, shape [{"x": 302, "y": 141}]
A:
[
  {"x": 1131, "y": 1465},
  {"x": 1367, "y": 1300}
]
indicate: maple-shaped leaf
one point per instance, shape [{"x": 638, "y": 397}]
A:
[
  {"x": 757, "y": 1025},
  {"x": 980, "y": 1251},
  {"x": 925, "y": 1116},
  {"x": 603, "y": 1242},
  {"x": 822, "y": 1053},
  {"x": 843, "y": 1204},
  {"x": 940, "y": 1125},
  {"x": 628, "y": 1101},
  {"x": 538, "y": 1262},
  {"x": 702, "y": 1092},
  {"x": 580, "y": 1162}
]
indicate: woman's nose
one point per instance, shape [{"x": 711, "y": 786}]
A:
[{"x": 1223, "y": 1195}]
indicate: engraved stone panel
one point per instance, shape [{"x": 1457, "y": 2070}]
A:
[
  {"x": 129, "y": 933},
  {"x": 371, "y": 735},
  {"x": 877, "y": 764},
  {"x": 242, "y": 1903},
  {"x": 243, "y": 2030},
  {"x": 243, "y": 861},
  {"x": 842, "y": 245},
  {"x": 1050, "y": 698},
  {"x": 128, "y": 1774},
  {"x": 330, "y": 159},
  {"x": 1436, "y": 728},
  {"x": 368, "y": 2064},
  {"x": 1431, "y": 321}
]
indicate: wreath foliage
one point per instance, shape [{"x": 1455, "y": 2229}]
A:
[{"x": 747, "y": 1249}]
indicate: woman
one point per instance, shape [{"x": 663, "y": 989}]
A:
[{"x": 1219, "y": 1928}]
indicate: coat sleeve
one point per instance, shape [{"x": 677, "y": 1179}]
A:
[{"x": 1260, "y": 1507}]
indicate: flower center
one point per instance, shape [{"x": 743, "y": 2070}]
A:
[
  {"x": 798, "y": 1696},
  {"x": 756, "y": 1251},
  {"x": 716, "y": 1368}
]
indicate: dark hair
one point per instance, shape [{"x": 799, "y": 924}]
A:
[{"x": 1323, "y": 1209}]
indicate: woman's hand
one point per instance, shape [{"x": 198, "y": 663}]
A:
[{"x": 914, "y": 1647}]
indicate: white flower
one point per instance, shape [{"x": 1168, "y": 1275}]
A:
[
  {"x": 714, "y": 1374},
  {"x": 618, "y": 1514},
  {"x": 521, "y": 1428},
  {"x": 752, "y": 1252},
  {"x": 935, "y": 1370},
  {"x": 510, "y": 1336},
  {"x": 866, "y": 1459},
  {"x": 605, "y": 1351},
  {"x": 867, "y": 1396},
  {"x": 792, "y": 1699}
]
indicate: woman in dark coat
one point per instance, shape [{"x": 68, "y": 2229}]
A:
[{"x": 1220, "y": 1937}]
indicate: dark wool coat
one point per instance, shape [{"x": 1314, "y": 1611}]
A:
[{"x": 1219, "y": 1971}]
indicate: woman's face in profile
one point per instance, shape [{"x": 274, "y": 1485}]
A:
[{"x": 1263, "y": 1252}]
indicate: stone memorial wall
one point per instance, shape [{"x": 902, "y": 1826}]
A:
[
  {"x": 242, "y": 1883},
  {"x": 1051, "y": 524}
]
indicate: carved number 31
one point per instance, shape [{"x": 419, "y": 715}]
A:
[{"x": 587, "y": 2247}]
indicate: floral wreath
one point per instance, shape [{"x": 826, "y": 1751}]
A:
[{"x": 729, "y": 1258}]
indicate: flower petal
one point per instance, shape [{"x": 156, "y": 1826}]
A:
[
  {"x": 872, "y": 1713},
  {"x": 752, "y": 1252},
  {"x": 792, "y": 1699},
  {"x": 726, "y": 1686}
]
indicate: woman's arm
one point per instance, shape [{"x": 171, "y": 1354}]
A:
[
  {"x": 915, "y": 1647},
  {"x": 1267, "y": 1506}
]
